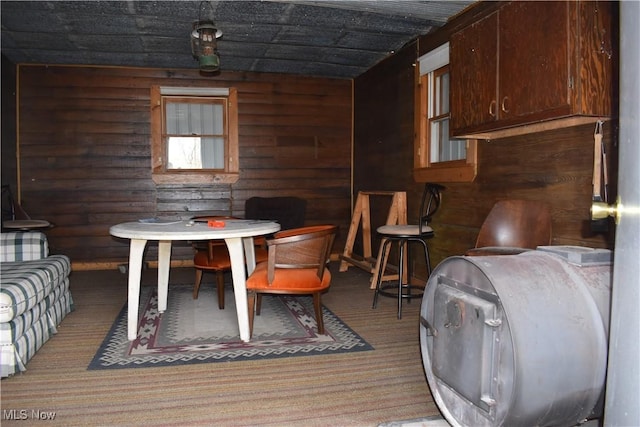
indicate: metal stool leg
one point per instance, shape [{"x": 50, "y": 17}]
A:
[
  {"x": 408, "y": 258},
  {"x": 399, "y": 291},
  {"x": 401, "y": 244},
  {"x": 427, "y": 258}
]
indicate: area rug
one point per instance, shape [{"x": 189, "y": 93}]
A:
[{"x": 197, "y": 331}]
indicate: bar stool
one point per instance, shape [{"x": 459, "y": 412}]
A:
[
  {"x": 15, "y": 218},
  {"x": 403, "y": 235}
]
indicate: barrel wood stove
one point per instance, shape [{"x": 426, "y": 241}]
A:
[{"x": 518, "y": 340}]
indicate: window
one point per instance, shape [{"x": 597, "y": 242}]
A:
[
  {"x": 442, "y": 149},
  {"x": 194, "y": 134},
  {"x": 439, "y": 158}
]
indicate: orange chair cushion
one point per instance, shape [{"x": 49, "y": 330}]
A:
[
  {"x": 221, "y": 260},
  {"x": 261, "y": 255},
  {"x": 291, "y": 280}
]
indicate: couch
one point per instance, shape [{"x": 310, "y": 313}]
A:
[{"x": 34, "y": 296}]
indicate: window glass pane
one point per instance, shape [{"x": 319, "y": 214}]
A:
[
  {"x": 444, "y": 82},
  {"x": 436, "y": 140},
  {"x": 184, "y": 153},
  {"x": 195, "y": 153},
  {"x": 441, "y": 94},
  {"x": 214, "y": 119},
  {"x": 195, "y": 120},
  {"x": 212, "y": 153},
  {"x": 437, "y": 97},
  {"x": 444, "y": 149},
  {"x": 177, "y": 119}
]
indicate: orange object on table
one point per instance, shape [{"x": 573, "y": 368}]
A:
[{"x": 215, "y": 223}]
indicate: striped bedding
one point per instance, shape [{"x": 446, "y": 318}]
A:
[{"x": 34, "y": 297}]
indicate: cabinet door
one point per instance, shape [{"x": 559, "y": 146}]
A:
[
  {"x": 533, "y": 59},
  {"x": 473, "y": 53}
]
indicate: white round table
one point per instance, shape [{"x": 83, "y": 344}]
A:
[{"x": 237, "y": 234}]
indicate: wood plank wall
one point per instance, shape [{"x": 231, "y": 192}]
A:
[
  {"x": 9, "y": 172},
  {"x": 383, "y": 161},
  {"x": 84, "y": 142},
  {"x": 553, "y": 167}
]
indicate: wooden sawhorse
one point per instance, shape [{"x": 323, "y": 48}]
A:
[{"x": 362, "y": 217}]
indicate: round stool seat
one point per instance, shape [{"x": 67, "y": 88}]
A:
[
  {"x": 404, "y": 231},
  {"x": 26, "y": 224}
]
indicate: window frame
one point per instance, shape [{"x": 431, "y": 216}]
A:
[
  {"x": 160, "y": 173},
  {"x": 222, "y": 101},
  {"x": 464, "y": 170}
]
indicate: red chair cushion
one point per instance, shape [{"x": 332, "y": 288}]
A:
[
  {"x": 289, "y": 280},
  {"x": 221, "y": 259}
]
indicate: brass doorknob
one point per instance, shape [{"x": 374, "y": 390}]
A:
[{"x": 601, "y": 210}]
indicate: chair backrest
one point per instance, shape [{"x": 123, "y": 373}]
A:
[
  {"x": 431, "y": 197},
  {"x": 287, "y": 211},
  {"x": 306, "y": 247},
  {"x": 516, "y": 223}
]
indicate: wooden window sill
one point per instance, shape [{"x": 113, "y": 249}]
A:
[
  {"x": 195, "y": 178},
  {"x": 446, "y": 173}
]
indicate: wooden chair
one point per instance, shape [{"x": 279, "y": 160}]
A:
[
  {"x": 513, "y": 227},
  {"x": 297, "y": 264},
  {"x": 213, "y": 256}
]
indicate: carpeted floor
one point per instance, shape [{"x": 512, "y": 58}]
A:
[{"x": 349, "y": 389}]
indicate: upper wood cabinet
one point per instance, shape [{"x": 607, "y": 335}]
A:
[
  {"x": 473, "y": 67},
  {"x": 532, "y": 66}
]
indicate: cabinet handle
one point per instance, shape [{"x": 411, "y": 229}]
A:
[
  {"x": 503, "y": 107},
  {"x": 492, "y": 109}
]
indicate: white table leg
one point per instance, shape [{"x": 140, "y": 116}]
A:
[
  {"x": 136, "y": 250},
  {"x": 164, "y": 261},
  {"x": 236, "y": 253},
  {"x": 249, "y": 254}
]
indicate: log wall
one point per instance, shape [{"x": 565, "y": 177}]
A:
[{"x": 84, "y": 146}]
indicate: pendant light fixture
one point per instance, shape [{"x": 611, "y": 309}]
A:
[{"x": 203, "y": 39}]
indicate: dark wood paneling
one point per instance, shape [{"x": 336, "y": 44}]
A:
[
  {"x": 383, "y": 135},
  {"x": 84, "y": 143},
  {"x": 383, "y": 123},
  {"x": 554, "y": 167},
  {"x": 8, "y": 158}
]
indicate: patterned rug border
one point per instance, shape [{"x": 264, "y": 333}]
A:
[{"x": 235, "y": 350}]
